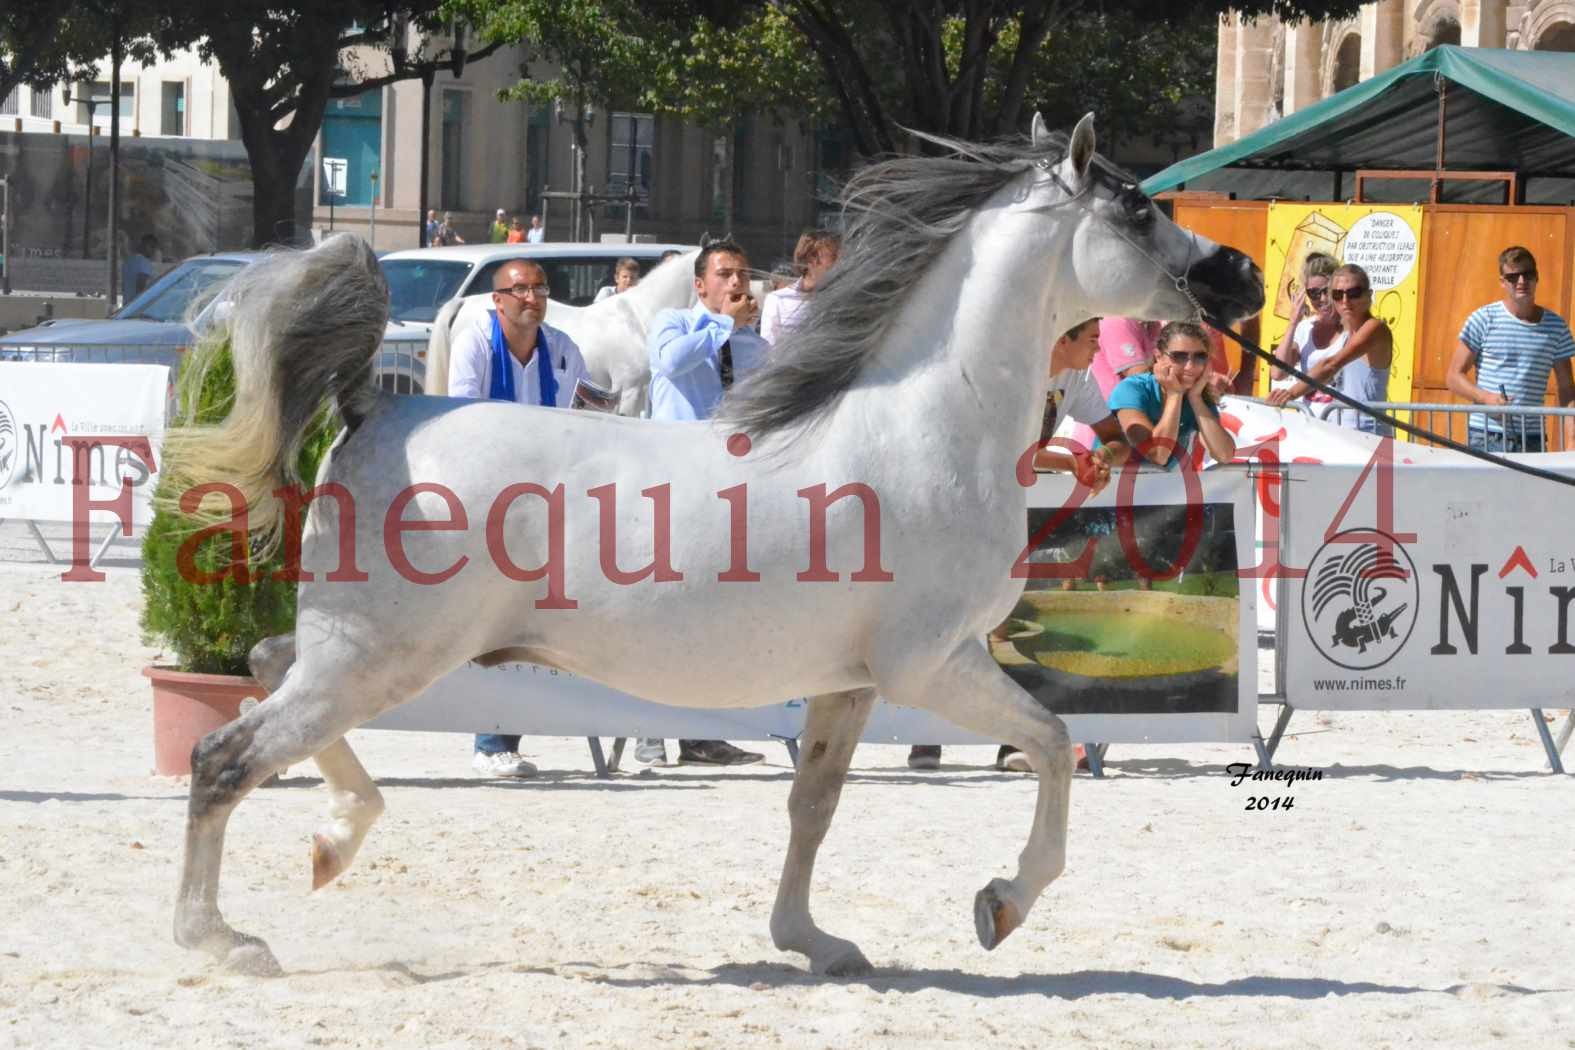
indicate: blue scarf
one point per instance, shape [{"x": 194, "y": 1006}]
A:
[{"x": 502, "y": 386}]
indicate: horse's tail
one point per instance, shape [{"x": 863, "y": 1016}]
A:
[
  {"x": 301, "y": 327},
  {"x": 436, "y": 381}
]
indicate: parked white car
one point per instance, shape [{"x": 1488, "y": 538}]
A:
[{"x": 422, "y": 280}]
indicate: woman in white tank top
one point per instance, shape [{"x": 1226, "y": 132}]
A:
[
  {"x": 1359, "y": 366},
  {"x": 1314, "y": 332}
]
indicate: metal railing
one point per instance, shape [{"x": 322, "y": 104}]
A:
[
  {"x": 1504, "y": 428},
  {"x": 96, "y": 353},
  {"x": 400, "y": 367}
]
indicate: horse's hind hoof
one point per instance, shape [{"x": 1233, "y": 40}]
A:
[
  {"x": 326, "y": 864},
  {"x": 251, "y": 958},
  {"x": 994, "y": 917}
]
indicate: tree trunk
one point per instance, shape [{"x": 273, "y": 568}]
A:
[
  {"x": 582, "y": 143},
  {"x": 264, "y": 99},
  {"x": 276, "y": 165}
]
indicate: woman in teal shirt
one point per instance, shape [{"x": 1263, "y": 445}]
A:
[{"x": 1161, "y": 410}]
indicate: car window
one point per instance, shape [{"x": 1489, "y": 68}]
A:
[
  {"x": 418, "y": 288},
  {"x": 574, "y": 280},
  {"x": 189, "y": 285}
]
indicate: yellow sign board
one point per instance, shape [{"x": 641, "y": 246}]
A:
[{"x": 1385, "y": 240}]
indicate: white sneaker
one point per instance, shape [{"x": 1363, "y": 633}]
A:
[{"x": 501, "y": 764}]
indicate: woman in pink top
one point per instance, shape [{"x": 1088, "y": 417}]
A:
[{"x": 815, "y": 253}]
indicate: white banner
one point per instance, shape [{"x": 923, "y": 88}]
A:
[
  {"x": 1267, "y": 437},
  {"x": 47, "y": 409},
  {"x": 1444, "y": 584},
  {"x": 1161, "y": 649}
]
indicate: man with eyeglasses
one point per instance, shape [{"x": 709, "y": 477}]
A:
[
  {"x": 509, "y": 353},
  {"x": 1513, "y": 344}
]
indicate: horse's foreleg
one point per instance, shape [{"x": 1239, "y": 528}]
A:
[
  {"x": 831, "y": 732},
  {"x": 292, "y": 725},
  {"x": 970, "y": 690}
]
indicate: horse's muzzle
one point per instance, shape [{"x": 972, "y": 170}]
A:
[{"x": 1228, "y": 284}]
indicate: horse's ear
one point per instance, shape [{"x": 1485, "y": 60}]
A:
[
  {"x": 1081, "y": 153},
  {"x": 1039, "y": 135}
]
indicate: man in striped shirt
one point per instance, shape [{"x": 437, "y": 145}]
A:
[{"x": 1512, "y": 345}]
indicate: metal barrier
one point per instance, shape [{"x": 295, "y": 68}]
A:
[
  {"x": 96, "y": 353},
  {"x": 1505, "y": 428},
  {"x": 400, "y": 367}
]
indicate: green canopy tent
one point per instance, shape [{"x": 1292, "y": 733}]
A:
[{"x": 1501, "y": 111}]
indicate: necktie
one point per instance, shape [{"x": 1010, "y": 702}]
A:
[{"x": 726, "y": 369}]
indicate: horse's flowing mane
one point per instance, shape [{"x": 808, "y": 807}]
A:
[{"x": 898, "y": 215}]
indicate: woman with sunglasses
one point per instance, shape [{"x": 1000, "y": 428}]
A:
[
  {"x": 1160, "y": 411},
  {"x": 1314, "y": 332},
  {"x": 1360, "y": 367}
]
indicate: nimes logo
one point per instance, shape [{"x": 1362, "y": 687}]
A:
[
  {"x": 1360, "y": 601},
  {"x": 9, "y": 445}
]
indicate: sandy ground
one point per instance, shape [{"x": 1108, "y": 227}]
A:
[{"x": 1421, "y": 894}]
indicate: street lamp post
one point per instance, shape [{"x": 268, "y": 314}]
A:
[
  {"x": 87, "y": 202},
  {"x": 5, "y": 235},
  {"x": 371, "y": 237}
]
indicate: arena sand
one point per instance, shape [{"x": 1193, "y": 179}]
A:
[{"x": 1421, "y": 894}]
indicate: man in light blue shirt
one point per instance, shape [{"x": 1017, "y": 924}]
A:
[{"x": 695, "y": 355}]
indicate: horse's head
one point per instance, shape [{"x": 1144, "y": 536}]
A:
[{"x": 1128, "y": 257}]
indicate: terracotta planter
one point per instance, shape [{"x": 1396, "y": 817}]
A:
[{"x": 187, "y": 707}]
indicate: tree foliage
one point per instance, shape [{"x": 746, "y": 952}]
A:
[
  {"x": 976, "y": 68},
  {"x": 41, "y": 46}
]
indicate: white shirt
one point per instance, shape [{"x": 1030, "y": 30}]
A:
[
  {"x": 1079, "y": 397},
  {"x": 535, "y": 235},
  {"x": 470, "y": 364},
  {"x": 780, "y": 311}
]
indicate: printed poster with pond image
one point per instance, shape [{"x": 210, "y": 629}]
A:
[{"x": 1135, "y": 625}]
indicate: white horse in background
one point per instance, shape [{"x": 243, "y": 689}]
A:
[
  {"x": 610, "y": 334},
  {"x": 847, "y": 525}
]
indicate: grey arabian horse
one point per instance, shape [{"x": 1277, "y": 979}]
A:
[{"x": 847, "y": 525}]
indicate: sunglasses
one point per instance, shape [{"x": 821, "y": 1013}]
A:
[
  {"x": 1183, "y": 357},
  {"x": 1515, "y": 277},
  {"x": 1339, "y": 295},
  {"x": 1317, "y": 293}
]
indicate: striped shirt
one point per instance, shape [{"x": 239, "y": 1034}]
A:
[{"x": 1514, "y": 357}]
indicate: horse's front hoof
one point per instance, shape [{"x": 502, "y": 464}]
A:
[
  {"x": 326, "y": 864},
  {"x": 850, "y": 963},
  {"x": 251, "y": 958},
  {"x": 994, "y": 916}
]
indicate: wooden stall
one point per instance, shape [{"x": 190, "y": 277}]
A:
[{"x": 1480, "y": 142}]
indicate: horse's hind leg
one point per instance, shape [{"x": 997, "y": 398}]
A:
[
  {"x": 831, "y": 732},
  {"x": 354, "y": 804},
  {"x": 970, "y": 690},
  {"x": 296, "y": 722},
  {"x": 354, "y": 801}
]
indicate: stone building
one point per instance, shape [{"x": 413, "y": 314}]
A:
[{"x": 1268, "y": 68}]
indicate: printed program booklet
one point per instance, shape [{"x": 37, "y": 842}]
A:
[{"x": 588, "y": 395}]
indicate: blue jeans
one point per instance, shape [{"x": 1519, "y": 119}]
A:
[
  {"x": 496, "y": 743},
  {"x": 1513, "y": 439}
]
